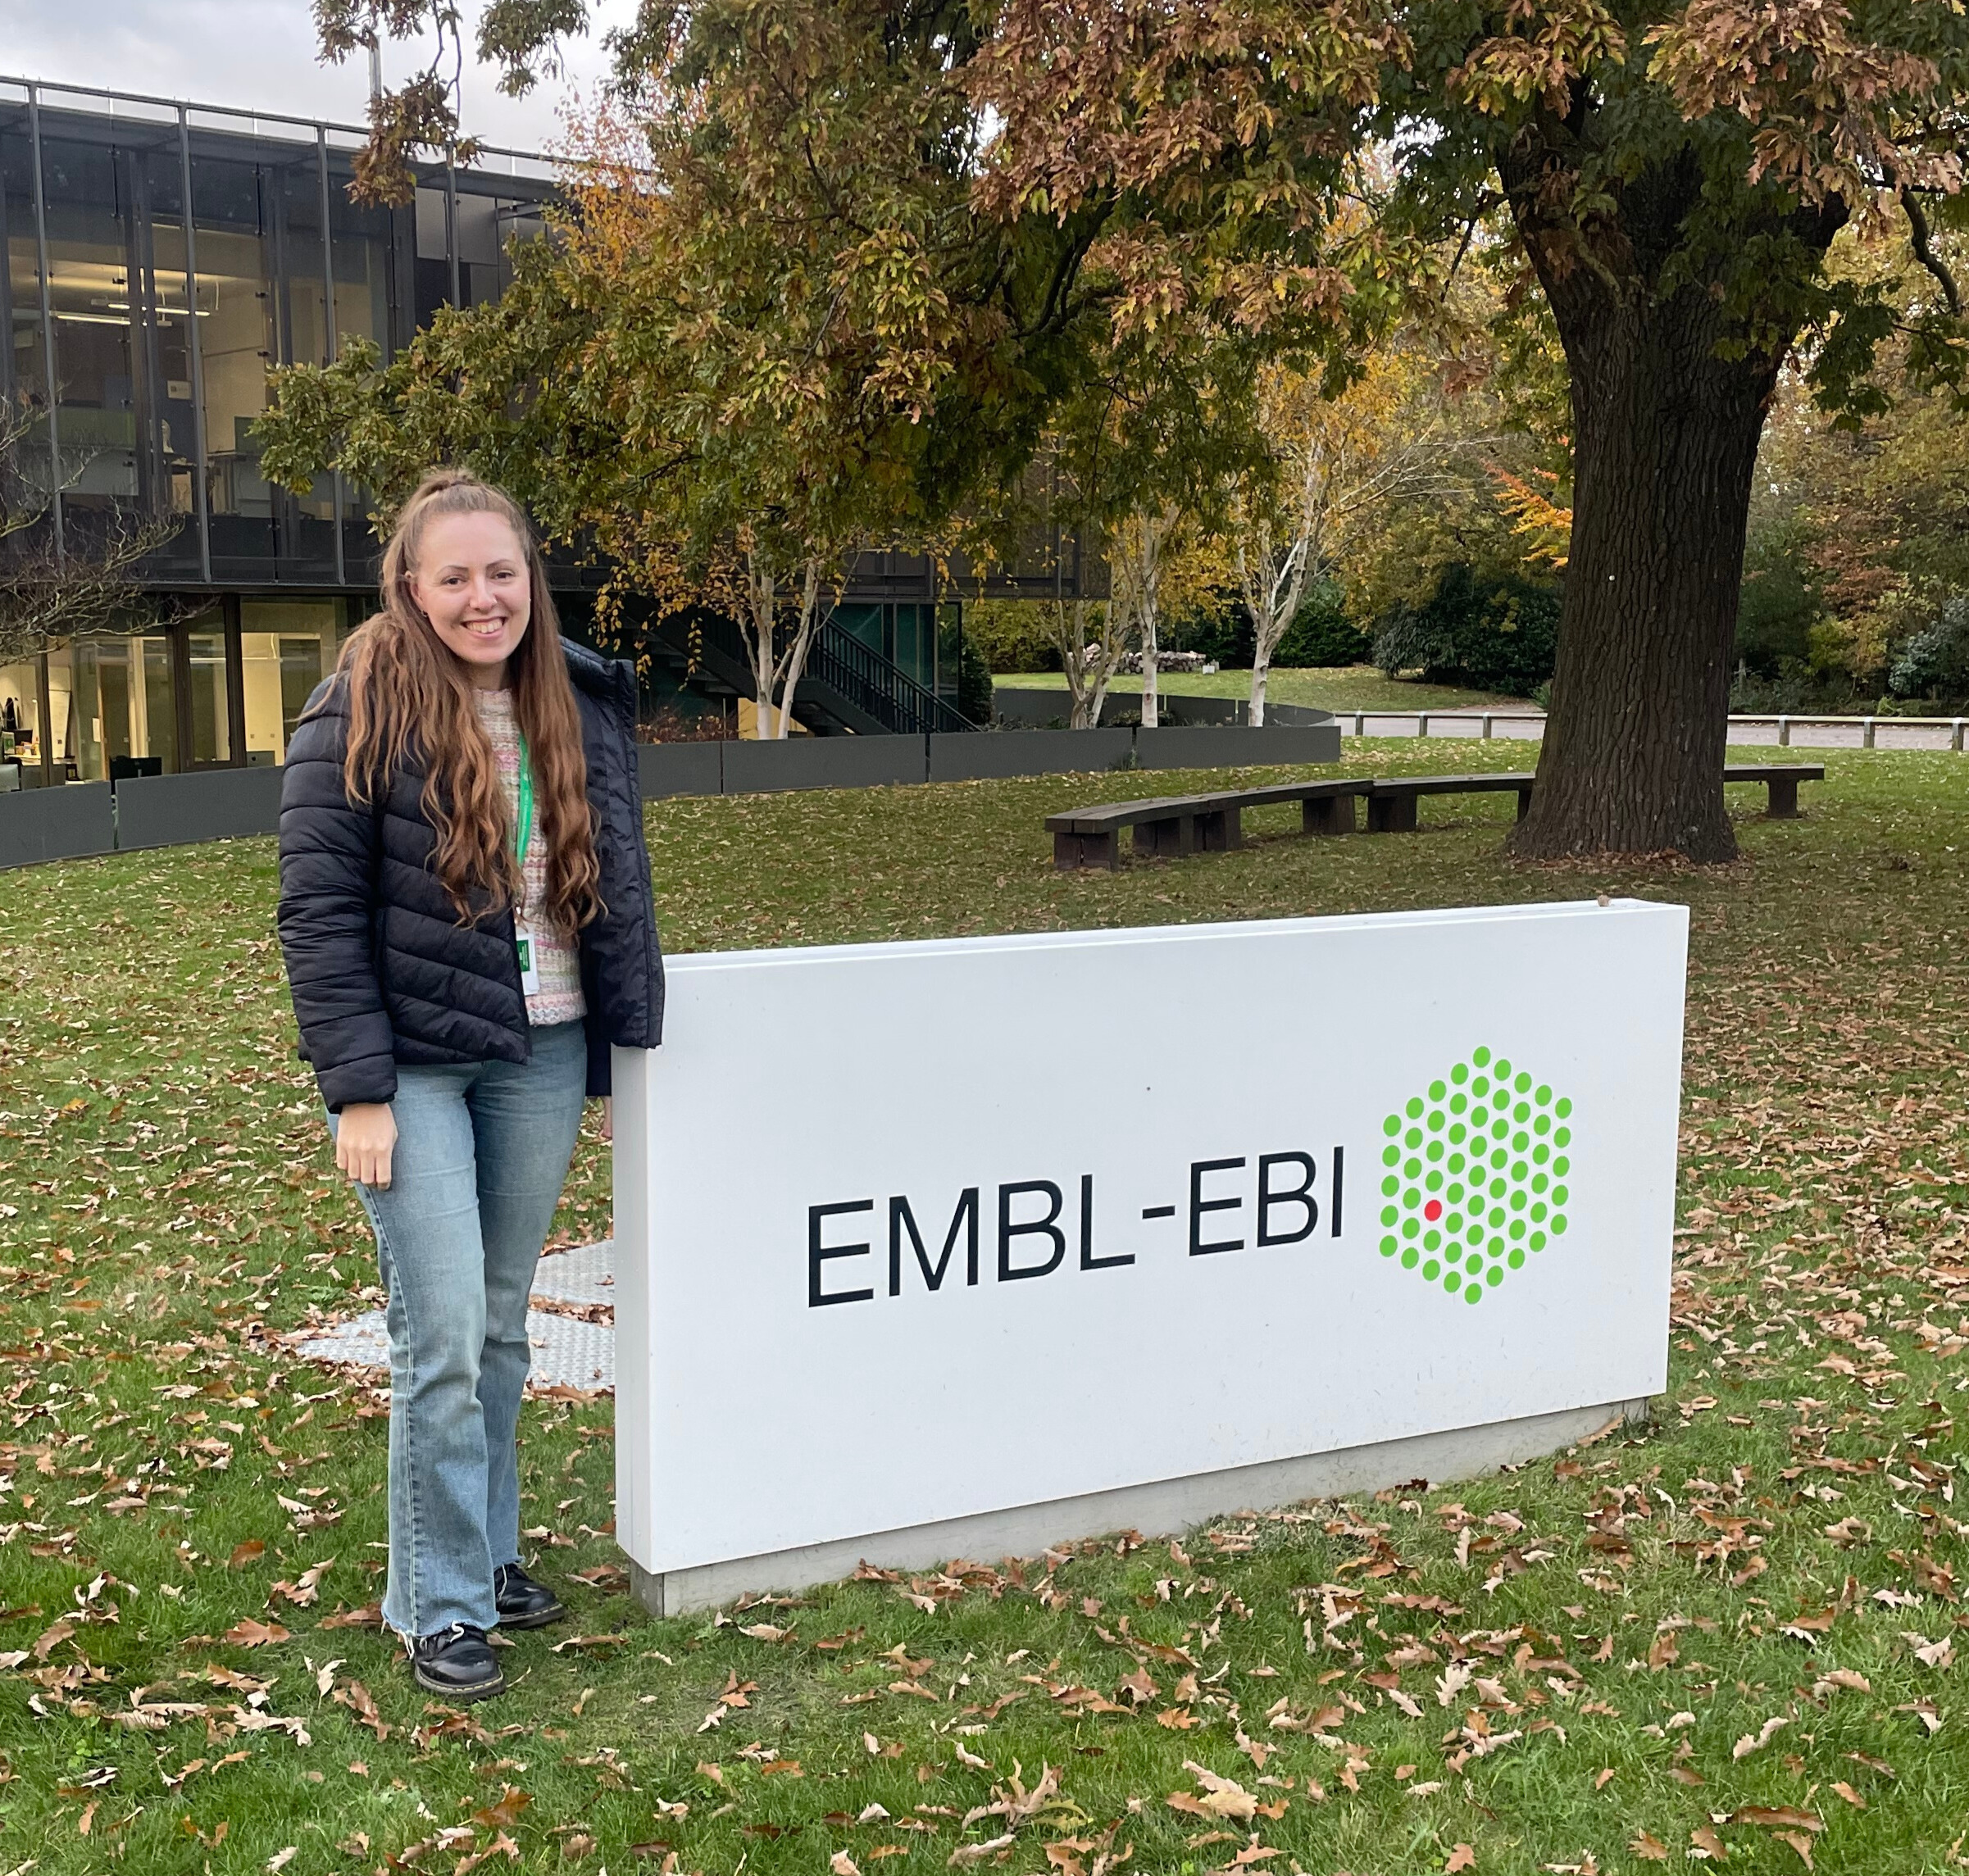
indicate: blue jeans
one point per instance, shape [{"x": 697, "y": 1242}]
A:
[{"x": 482, "y": 1153}]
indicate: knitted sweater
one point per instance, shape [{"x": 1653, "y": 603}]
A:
[{"x": 559, "y": 1000}]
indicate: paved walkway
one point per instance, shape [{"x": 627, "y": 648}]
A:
[{"x": 570, "y": 1351}]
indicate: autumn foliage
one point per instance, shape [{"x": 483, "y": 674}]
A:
[{"x": 844, "y": 275}]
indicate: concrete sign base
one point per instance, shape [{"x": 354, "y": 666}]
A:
[{"x": 1163, "y": 1509}]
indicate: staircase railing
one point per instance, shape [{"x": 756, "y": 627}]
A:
[
  {"x": 859, "y": 674},
  {"x": 877, "y": 685}
]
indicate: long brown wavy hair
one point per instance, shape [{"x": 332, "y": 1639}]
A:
[{"x": 410, "y": 699}]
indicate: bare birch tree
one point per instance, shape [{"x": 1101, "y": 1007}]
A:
[
  {"x": 778, "y": 660},
  {"x": 1137, "y": 553},
  {"x": 1092, "y": 639},
  {"x": 1336, "y": 461}
]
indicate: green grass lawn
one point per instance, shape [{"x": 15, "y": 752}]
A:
[
  {"x": 1351, "y": 686},
  {"x": 1727, "y": 1635}
]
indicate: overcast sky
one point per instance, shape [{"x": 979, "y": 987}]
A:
[{"x": 260, "y": 54}]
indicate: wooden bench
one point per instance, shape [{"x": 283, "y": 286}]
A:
[
  {"x": 1391, "y": 800},
  {"x": 1781, "y": 779},
  {"x": 1168, "y": 826},
  {"x": 1171, "y": 825},
  {"x": 1391, "y": 803}
]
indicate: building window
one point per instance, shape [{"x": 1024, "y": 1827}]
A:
[
  {"x": 208, "y": 716},
  {"x": 286, "y": 647},
  {"x": 21, "y": 728},
  {"x": 125, "y": 709},
  {"x": 23, "y": 370},
  {"x": 905, "y": 634},
  {"x": 236, "y": 339},
  {"x": 64, "y": 718}
]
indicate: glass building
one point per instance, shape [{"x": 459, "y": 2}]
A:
[{"x": 157, "y": 261}]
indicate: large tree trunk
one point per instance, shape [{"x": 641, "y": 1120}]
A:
[{"x": 1665, "y": 441}]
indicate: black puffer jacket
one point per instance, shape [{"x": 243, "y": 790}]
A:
[{"x": 381, "y": 970}]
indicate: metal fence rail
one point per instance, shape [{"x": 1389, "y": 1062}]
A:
[{"x": 1820, "y": 731}]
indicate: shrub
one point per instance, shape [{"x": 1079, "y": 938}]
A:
[
  {"x": 1794, "y": 692},
  {"x": 1221, "y": 636},
  {"x": 1935, "y": 661},
  {"x": 1012, "y": 634},
  {"x": 1320, "y": 635},
  {"x": 1487, "y": 631},
  {"x": 1780, "y": 605},
  {"x": 974, "y": 682},
  {"x": 1403, "y": 641}
]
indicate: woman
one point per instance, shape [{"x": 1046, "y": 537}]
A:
[{"x": 466, "y": 914}]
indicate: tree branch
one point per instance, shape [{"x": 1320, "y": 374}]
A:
[{"x": 1924, "y": 251}]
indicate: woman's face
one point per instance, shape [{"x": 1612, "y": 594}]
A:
[{"x": 471, "y": 581}]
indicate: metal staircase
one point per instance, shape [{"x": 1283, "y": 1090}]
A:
[{"x": 847, "y": 688}]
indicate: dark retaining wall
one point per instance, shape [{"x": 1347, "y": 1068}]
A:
[
  {"x": 1004, "y": 754},
  {"x": 1226, "y": 747},
  {"x": 208, "y": 804},
  {"x": 1048, "y": 709},
  {"x": 680, "y": 769},
  {"x": 56, "y": 823},
  {"x": 824, "y": 762},
  {"x": 222, "y": 804}
]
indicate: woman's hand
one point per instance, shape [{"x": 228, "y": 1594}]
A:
[
  {"x": 365, "y": 1136},
  {"x": 608, "y": 1117}
]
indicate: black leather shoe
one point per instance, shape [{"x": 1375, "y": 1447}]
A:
[
  {"x": 522, "y": 1602},
  {"x": 457, "y": 1662}
]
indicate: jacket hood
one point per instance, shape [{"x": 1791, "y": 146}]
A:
[{"x": 611, "y": 680}]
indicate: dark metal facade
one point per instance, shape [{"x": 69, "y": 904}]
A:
[{"x": 157, "y": 259}]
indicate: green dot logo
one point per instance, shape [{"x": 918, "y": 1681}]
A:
[{"x": 1488, "y": 1192}]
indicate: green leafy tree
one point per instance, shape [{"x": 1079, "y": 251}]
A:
[
  {"x": 721, "y": 376},
  {"x": 1675, "y": 175},
  {"x": 833, "y": 275}
]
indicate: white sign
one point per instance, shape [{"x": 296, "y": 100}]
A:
[{"x": 909, "y": 1233}]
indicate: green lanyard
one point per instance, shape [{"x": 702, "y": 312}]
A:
[{"x": 525, "y": 832}]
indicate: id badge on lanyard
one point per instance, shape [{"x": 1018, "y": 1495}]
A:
[
  {"x": 525, "y": 941},
  {"x": 529, "y": 965}
]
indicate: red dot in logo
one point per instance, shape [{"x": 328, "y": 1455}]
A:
[{"x": 1433, "y": 1210}]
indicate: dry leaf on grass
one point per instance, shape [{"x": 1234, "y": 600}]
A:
[
  {"x": 1757, "y": 1741},
  {"x": 967, "y": 1853},
  {"x": 1222, "y": 1797},
  {"x": 1776, "y": 1817}
]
